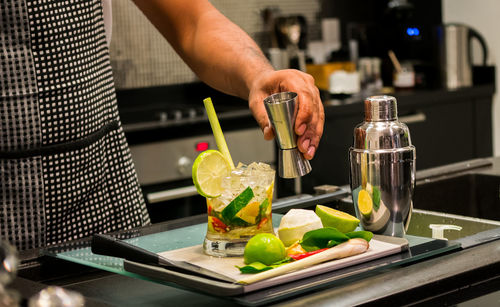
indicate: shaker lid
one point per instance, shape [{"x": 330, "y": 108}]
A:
[
  {"x": 380, "y": 108},
  {"x": 381, "y": 129}
]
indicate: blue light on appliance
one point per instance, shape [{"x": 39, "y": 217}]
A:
[{"x": 412, "y": 31}]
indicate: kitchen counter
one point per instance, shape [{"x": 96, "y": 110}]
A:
[{"x": 466, "y": 275}]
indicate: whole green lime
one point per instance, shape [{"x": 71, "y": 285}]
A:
[{"x": 265, "y": 248}]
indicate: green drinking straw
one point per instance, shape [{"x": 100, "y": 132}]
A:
[{"x": 217, "y": 131}]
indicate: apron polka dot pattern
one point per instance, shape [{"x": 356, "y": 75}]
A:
[{"x": 80, "y": 178}]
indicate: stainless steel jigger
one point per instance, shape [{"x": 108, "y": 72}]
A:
[{"x": 281, "y": 110}]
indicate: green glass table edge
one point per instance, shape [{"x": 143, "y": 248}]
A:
[
  {"x": 159, "y": 242},
  {"x": 179, "y": 238}
]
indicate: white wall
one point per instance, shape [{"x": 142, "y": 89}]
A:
[{"x": 482, "y": 15}]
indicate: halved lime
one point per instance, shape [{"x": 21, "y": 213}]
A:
[
  {"x": 208, "y": 170},
  {"x": 340, "y": 220}
]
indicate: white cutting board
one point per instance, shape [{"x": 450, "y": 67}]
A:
[{"x": 380, "y": 246}]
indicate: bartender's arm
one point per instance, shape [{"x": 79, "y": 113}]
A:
[{"x": 226, "y": 58}]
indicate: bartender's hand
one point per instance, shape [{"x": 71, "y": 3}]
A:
[{"x": 310, "y": 113}]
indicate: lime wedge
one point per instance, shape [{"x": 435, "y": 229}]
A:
[
  {"x": 208, "y": 170},
  {"x": 250, "y": 212},
  {"x": 229, "y": 212},
  {"x": 330, "y": 217}
]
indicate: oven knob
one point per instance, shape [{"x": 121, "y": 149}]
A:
[
  {"x": 184, "y": 166},
  {"x": 177, "y": 114},
  {"x": 163, "y": 116},
  {"x": 192, "y": 113}
]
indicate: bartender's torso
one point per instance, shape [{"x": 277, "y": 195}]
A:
[{"x": 65, "y": 167}]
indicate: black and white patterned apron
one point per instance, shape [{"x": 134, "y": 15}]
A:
[{"x": 65, "y": 167}]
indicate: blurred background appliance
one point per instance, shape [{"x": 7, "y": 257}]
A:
[
  {"x": 291, "y": 34},
  {"x": 288, "y": 39},
  {"x": 374, "y": 27},
  {"x": 455, "y": 45}
]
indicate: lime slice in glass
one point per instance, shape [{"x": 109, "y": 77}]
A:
[
  {"x": 208, "y": 170},
  {"x": 229, "y": 212}
]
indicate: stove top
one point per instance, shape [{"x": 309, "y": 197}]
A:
[{"x": 147, "y": 108}]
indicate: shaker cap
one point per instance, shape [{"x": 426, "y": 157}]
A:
[
  {"x": 381, "y": 129},
  {"x": 380, "y": 108}
]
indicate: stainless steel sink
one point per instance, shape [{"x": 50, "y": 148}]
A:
[
  {"x": 469, "y": 201},
  {"x": 474, "y": 195},
  {"x": 421, "y": 220}
]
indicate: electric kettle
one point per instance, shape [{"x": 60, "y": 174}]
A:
[{"x": 455, "y": 60}]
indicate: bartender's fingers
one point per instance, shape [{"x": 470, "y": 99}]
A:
[
  {"x": 310, "y": 113},
  {"x": 310, "y": 120},
  {"x": 256, "y": 104}
]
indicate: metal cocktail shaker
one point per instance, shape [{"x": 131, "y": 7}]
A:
[{"x": 382, "y": 161}]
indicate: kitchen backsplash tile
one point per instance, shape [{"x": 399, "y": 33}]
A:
[{"x": 141, "y": 57}]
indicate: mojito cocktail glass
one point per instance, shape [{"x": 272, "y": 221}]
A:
[{"x": 241, "y": 211}]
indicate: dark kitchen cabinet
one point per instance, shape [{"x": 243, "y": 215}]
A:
[{"x": 445, "y": 126}]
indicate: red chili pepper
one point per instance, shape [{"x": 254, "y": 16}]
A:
[
  {"x": 218, "y": 225},
  {"x": 262, "y": 222},
  {"x": 304, "y": 255}
]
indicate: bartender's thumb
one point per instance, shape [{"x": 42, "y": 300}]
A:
[
  {"x": 268, "y": 132},
  {"x": 260, "y": 115},
  {"x": 265, "y": 125}
]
